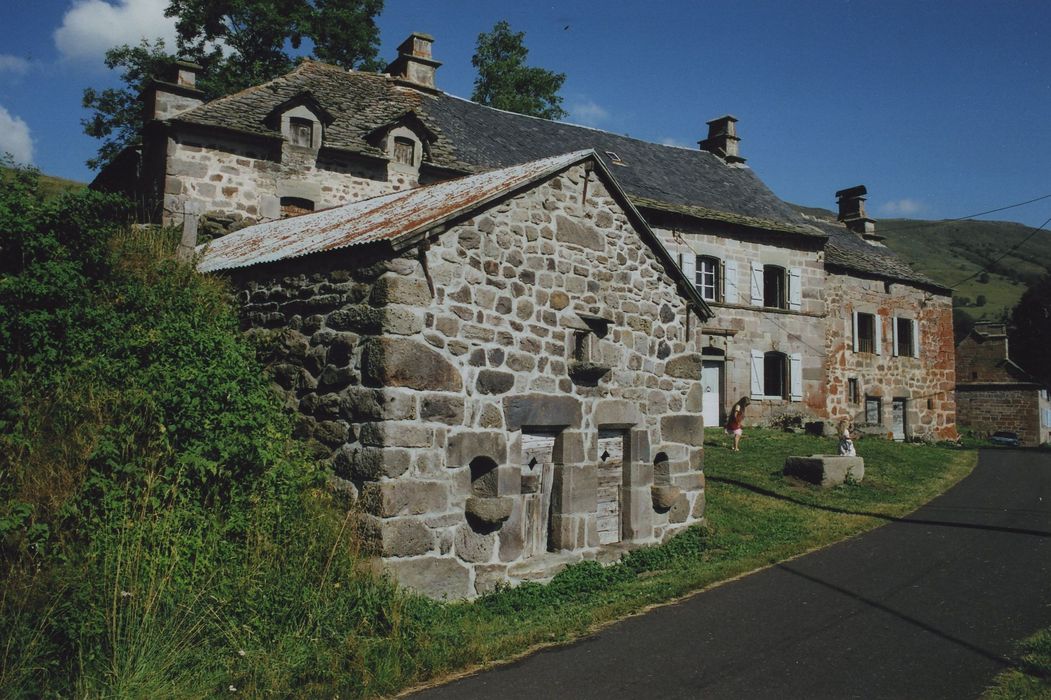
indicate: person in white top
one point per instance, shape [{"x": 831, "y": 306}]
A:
[{"x": 846, "y": 443}]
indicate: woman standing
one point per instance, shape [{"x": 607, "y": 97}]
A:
[{"x": 735, "y": 422}]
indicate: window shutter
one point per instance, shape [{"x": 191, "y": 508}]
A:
[
  {"x": 795, "y": 290},
  {"x": 915, "y": 338},
  {"x": 894, "y": 330},
  {"x": 689, "y": 267},
  {"x": 795, "y": 375},
  {"x": 730, "y": 293},
  {"x": 757, "y": 374},
  {"x": 878, "y": 323},
  {"x": 757, "y": 284},
  {"x": 855, "y": 331}
]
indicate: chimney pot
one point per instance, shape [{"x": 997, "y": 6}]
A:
[
  {"x": 414, "y": 64},
  {"x": 722, "y": 139}
]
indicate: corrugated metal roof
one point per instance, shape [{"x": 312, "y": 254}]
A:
[{"x": 386, "y": 218}]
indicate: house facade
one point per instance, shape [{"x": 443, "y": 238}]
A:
[
  {"x": 503, "y": 368},
  {"x": 797, "y": 301},
  {"x": 995, "y": 394}
]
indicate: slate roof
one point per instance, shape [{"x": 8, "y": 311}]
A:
[
  {"x": 847, "y": 250},
  {"x": 402, "y": 217},
  {"x": 472, "y": 137}
]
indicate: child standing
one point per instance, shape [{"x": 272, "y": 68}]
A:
[
  {"x": 735, "y": 422},
  {"x": 846, "y": 443}
]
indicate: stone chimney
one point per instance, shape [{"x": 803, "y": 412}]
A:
[
  {"x": 722, "y": 139},
  {"x": 163, "y": 99},
  {"x": 852, "y": 212},
  {"x": 414, "y": 65}
]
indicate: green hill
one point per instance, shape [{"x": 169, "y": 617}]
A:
[
  {"x": 51, "y": 186},
  {"x": 957, "y": 253}
]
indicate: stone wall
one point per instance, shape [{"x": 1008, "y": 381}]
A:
[
  {"x": 461, "y": 388},
  {"x": 739, "y": 327},
  {"x": 245, "y": 180},
  {"x": 926, "y": 382},
  {"x": 989, "y": 409}
]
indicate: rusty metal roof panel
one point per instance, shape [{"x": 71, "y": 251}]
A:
[{"x": 388, "y": 217}]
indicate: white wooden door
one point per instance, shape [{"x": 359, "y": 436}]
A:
[
  {"x": 610, "y": 479},
  {"x": 711, "y": 381},
  {"x": 897, "y": 419},
  {"x": 537, "y": 472}
]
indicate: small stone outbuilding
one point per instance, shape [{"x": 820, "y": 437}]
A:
[
  {"x": 993, "y": 393},
  {"x": 503, "y": 368}
]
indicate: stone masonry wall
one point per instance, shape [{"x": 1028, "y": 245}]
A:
[
  {"x": 245, "y": 181},
  {"x": 428, "y": 377},
  {"x": 738, "y": 327},
  {"x": 987, "y": 410},
  {"x": 926, "y": 382}
]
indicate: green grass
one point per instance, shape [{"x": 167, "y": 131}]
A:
[
  {"x": 756, "y": 518},
  {"x": 1032, "y": 678}
]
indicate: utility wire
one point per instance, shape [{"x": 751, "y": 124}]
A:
[
  {"x": 893, "y": 229},
  {"x": 1010, "y": 250}
]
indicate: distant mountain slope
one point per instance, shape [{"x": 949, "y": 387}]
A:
[
  {"x": 52, "y": 186},
  {"x": 955, "y": 253}
]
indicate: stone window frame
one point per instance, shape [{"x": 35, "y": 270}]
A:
[
  {"x": 301, "y": 114},
  {"x": 791, "y": 381},
  {"x": 776, "y": 285},
  {"x": 402, "y": 134},
  {"x": 708, "y": 277},
  {"x": 906, "y": 337},
  {"x": 865, "y": 342},
  {"x": 775, "y": 372},
  {"x": 877, "y": 403}
]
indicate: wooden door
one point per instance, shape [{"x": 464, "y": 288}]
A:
[
  {"x": 537, "y": 473},
  {"x": 711, "y": 383},
  {"x": 610, "y": 479},
  {"x": 897, "y": 419}
]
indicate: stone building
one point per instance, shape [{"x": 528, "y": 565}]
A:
[
  {"x": 993, "y": 393},
  {"x": 778, "y": 282},
  {"x": 504, "y": 367}
]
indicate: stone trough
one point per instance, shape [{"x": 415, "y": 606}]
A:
[{"x": 825, "y": 470}]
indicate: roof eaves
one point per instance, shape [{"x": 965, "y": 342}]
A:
[{"x": 706, "y": 214}]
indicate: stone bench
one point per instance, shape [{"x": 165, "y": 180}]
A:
[{"x": 825, "y": 470}]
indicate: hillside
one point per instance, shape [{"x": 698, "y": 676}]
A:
[
  {"x": 51, "y": 186},
  {"x": 955, "y": 253}
]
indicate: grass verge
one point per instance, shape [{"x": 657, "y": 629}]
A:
[
  {"x": 1032, "y": 679},
  {"x": 756, "y": 517}
]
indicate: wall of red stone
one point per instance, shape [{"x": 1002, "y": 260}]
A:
[
  {"x": 989, "y": 410},
  {"x": 927, "y": 382}
]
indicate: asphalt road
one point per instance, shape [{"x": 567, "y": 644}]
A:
[{"x": 924, "y": 607}]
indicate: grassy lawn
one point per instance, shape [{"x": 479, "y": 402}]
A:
[
  {"x": 1033, "y": 679},
  {"x": 756, "y": 517}
]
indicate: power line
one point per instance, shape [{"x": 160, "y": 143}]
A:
[
  {"x": 964, "y": 218},
  {"x": 1010, "y": 250}
]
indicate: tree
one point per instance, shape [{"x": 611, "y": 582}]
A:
[
  {"x": 505, "y": 82},
  {"x": 239, "y": 43},
  {"x": 1030, "y": 333},
  {"x": 117, "y": 117}
]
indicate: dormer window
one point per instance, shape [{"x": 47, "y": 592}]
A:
[
  {"x": 301, "y": 132},
  {"x": 404, "y": 151}
]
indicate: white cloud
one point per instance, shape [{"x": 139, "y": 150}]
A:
[
  {"x": 14, "y": 137},
  {"x": 13, "y": 64},
  {"x": 587, "y": 112},
  {"x": 901, "y": 207},
  {"x": 672, "y": 141},
  {"x": 91, "y": 27}
]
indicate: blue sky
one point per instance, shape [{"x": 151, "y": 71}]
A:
[{"x": 941, "y": 109}]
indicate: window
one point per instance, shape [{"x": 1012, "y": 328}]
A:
[
  {"x": 707, "y": 277},
  {"x": 294, "y": 206},
  {"x": 865, "y": 332},
  {"x": 906, "y": 337},
  {"x": 775, "y": 374},
  {"x": 404, "y": 150},
  {"x": 873, "y": 410},
  {"x": 774, "y": 287},
  {"x": 301, "y": 132},
  {"x": 853, "y": 393}
]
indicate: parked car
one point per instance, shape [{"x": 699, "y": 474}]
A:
[{"x": 1006, "y": 438}]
